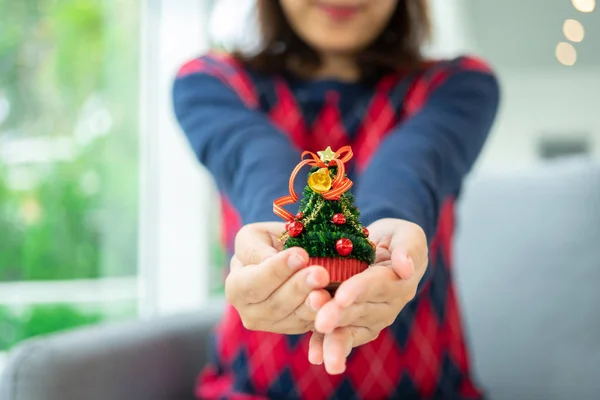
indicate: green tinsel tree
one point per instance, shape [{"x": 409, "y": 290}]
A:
[
  {"x": 320, "y": 232},
  {"x": 330, "y": 229}
]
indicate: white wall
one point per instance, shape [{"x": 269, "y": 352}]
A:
[
  {"x": 450, "y": 33},
  {"x": 557, "y": 101}
]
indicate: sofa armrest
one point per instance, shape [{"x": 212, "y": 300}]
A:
[{"x": 155, "y": 359}]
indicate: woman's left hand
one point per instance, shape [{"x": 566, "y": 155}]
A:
[{"x": 369, "y": 302}]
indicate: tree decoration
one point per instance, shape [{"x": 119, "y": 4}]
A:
[
  {"x": 339, "y": 219},
  {"x": 294, "y": 228},
  {"x": 344, "y": 247},
  {"x": 327, "y": 225},
  {"x": 320, "y": 181}
]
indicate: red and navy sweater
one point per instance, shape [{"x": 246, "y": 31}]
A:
[{"x": 415, "y": 136}]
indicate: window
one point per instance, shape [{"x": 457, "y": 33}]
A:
[
  {"x": 105, "y": 214},
  {"x": 69, "y": 162}
]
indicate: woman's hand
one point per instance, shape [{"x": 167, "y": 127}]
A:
[
  {"x": 274, "y": 290},
  {"x": 369, "y": 302}
]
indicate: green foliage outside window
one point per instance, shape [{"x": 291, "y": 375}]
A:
[
  {"x": 68, "y": 70},
  {"x": 68, "y": 74}
]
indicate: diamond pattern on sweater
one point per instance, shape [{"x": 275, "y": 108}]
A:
[
  {"x": 438, "y": 287},
  {"x": 283, "y": 387},
  {"x": 402, "y": 326},
  {"x": 268, "y": 357},
  {"x": 450, "y": 380},
  {"x": 345, "y": 391},
  {"x": 242, "y": 382},
  {"x": 311, "y": 380},
  {"x": 376, "y": 368},
  {"x": 422, "y": 350},
  {"x": 294, "y": 340},
  {"x": 405, "y": 389}
]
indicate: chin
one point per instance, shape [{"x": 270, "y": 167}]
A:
[
  {"x": 338, "y": 50},
  {"x": 337, "y": 47}
]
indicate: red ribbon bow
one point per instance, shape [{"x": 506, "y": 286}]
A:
[{"x": 340, "y": 184}]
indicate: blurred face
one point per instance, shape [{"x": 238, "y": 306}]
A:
[{"x": 338, "y": 26}]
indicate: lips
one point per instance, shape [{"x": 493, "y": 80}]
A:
[{"x": 340, "y": 12}]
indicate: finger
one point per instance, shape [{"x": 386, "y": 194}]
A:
[
  {"x": 328, "y": 317},
  {"x": 235, "y": 263},
  {"x": 305, "y": 311},
  {"x": 409, "y": 251},
  {"x": 301, "y": 320},
  {"x": 291, "y": 297},
  {"x": 254, "y": 243},
  {"x": 308, "y": 310},
  {"x": 317, "y": 299},
  {"x": 375, "y": 284},
  {"x": 381, "y": 241},
  {"x": 255, "y": 283},
  {"x": 362, "y": 335},
  {"x": 332, "y": 316},
  {"x": 315, "y": 348},
  {"x": 288, "y": 326},
  {"x": 336, "y": 348},
  {"x": 402, "y": 264},
  {"x": 383, "y": 256}
]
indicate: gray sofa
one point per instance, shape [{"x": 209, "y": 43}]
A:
[{"x": 528, "y": 271}]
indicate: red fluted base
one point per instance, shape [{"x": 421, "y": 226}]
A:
[{"x": 339, "y": 269}]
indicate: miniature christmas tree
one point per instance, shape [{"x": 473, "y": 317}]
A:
[{"x": 327, "y": 225}]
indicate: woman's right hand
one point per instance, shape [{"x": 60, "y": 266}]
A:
[{"x": 274, "y": 290}]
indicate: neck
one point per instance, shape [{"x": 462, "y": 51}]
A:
[{"x": 342, "y": 68}]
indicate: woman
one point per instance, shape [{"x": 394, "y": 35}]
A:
[{"x": 335, "y": 73}]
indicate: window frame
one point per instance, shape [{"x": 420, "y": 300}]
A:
[{"x": 176, "y": 194}]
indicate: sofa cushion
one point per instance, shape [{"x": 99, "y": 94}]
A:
[{"x": 528, "y": 270}]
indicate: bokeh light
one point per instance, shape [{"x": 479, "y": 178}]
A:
[
  {"x": 573, "y": 30},
  {"x": 584, "y": 5},
  {"x": 566, "y": 53}
]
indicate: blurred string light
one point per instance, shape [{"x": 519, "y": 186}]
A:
[
  {"x": 585, "y": 6},
  {"x": 573, "y": 30},
  {"x": 566, "y": 54}
]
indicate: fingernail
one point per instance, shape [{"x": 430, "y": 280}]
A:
[
  {"x": 295, "y": 261},
  {"x": 408, "y": 262}
]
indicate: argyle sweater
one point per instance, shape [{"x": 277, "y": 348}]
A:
[{"x": 415, "y": 135}]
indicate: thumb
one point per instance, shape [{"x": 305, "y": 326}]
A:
[
  {"x": 402, "y": 264},
  {"x": 408, "y": 245},
  {"x": 254, "y": 243}
]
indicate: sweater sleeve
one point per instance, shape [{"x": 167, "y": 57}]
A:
[
  {"x": 249, "y": 158},
  {"x": 425, "y": 158}
]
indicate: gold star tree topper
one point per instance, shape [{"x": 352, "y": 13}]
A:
[{"x": 326, "y": 155}]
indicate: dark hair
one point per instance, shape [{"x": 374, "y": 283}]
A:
[{"x": 397, "y": 48}]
